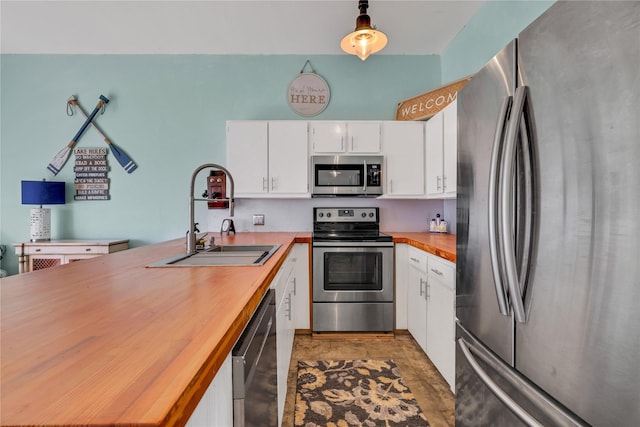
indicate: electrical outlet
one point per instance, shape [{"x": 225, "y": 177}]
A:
[{"x": 258, "y": 219}]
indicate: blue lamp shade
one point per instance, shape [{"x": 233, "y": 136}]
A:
[{"x": 43, "y": 193}]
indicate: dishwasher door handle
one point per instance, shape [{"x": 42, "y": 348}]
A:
[{"x": 264, "y": 341}]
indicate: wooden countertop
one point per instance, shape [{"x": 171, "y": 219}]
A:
[
  {"x": 107, "y": 341},
  {"x": 442, "y": 245}
]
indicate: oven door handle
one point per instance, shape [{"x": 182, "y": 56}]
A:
[{"x": 339, "y": 244}]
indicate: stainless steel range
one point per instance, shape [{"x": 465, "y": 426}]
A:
[{"x": 352, "y": 271}]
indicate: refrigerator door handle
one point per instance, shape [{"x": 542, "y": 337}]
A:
[
  {"x": 494, "y": 224},
  {"x": 528, "y": 191},
  {"x": 505, "y": 203},
  {"x": 524, "y": 416}
]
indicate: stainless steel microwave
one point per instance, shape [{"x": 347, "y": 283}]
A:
[{"x": 344, "y": 175}]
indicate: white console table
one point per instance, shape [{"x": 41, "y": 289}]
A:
[{"x": 40, "y": 255}]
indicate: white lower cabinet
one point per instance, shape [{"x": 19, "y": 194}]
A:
[
  {"x": 441, "y": 314},
  {"x": 215, "y": 409},
  {"x": 417, "y": 296},
  {"x": 401, "y": 284},
  {"x": 285, "y": 329},
  {"x": 430, "y": 307},
  {"x": 291, "y": 283},
  {"x": 301, "y": 301}
]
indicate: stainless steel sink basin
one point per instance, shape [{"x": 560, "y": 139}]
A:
[
  {"x": 223, "y": 255},
  {"x": 242, "y": 248}
]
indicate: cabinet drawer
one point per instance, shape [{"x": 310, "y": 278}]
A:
[
  {"x": 62, "y": 250},
  {"x": 281, "y": 280},
  {"x": 442, "y": 271},
  {"x": 418, "y": 259}
]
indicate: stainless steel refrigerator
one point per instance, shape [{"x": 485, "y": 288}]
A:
[{"x": 548, "y": 213}]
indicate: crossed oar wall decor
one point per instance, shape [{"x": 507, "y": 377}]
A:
[{"x": 61, "y": 158}]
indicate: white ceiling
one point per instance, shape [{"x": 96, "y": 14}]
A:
[{"x": 302, "y": 27}]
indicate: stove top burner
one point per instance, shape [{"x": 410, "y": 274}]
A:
[
  {"x": 351, "y": 237},
  {"x": 347, "y": 225}
]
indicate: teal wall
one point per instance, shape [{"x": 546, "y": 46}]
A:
[
  {"x": 494, "y": 25},
  {"x": 168, "y": 113}
]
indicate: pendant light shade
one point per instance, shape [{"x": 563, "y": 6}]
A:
[{"x": 365, "y": 39}]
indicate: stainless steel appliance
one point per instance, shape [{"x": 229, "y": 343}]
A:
[
  {"x": 255, "y": 393},
  {"x": 352, "y": 271},
  {"x": 547, "y": 220},
  {"x": 346, "y": 175}
]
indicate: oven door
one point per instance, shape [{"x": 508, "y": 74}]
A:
[{"x": 344, "y": 272}]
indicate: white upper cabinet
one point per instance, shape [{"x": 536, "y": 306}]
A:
[
  {"x": 272, "y": 158},
  {"x": 247, "y": 148},
  {"x": 441, "y": 153},
  {"x": 450, "y": 127},
  {"x": 435, "y": 154},
  {"x": 288, "y": 158},
  {"x": 363, "y": 137},
  {"x": 268, "y": 158},
  {"x": 327, "y": 137},
  {"x": 344, "y": 137},
  {"x": 403, "y": 147}
]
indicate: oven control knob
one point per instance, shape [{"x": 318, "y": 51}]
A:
[
  {"x": 371, "y": 214},
  {"x": 364, "y": 214},
  {"x": 328, "y": 214},
  {"x": 320, "y": 214}
]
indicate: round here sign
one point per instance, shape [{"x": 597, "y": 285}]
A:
[{"x": 308, "y": 94}]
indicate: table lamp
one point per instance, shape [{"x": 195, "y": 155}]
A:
[{"x": 42, "y": 193}]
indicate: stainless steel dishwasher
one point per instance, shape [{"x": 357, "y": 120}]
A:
[{"x": 255, "y": 391}]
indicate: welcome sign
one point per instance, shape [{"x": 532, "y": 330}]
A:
[{"x": 424, "y": 106}]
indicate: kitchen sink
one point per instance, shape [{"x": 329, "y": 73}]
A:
[
  {"x": 242, "y": 248},
  {"x": 222, "y": 255}
]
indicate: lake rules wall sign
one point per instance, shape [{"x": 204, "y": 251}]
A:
[
  {"x": 91, "y": 168},
  {"x": 308, "y": 94}
]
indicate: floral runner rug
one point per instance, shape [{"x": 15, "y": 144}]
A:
[{"x": 364, "y": 393}]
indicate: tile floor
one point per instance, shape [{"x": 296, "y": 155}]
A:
[{"x": 429, "y": 388}]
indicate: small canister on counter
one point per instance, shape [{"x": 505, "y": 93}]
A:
[{"x": 437, "y": 225}]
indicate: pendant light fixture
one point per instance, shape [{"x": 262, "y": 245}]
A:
[{"x": 365, "y": 39}]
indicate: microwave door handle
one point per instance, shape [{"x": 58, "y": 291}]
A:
[{"x": 366, "y": 176}]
